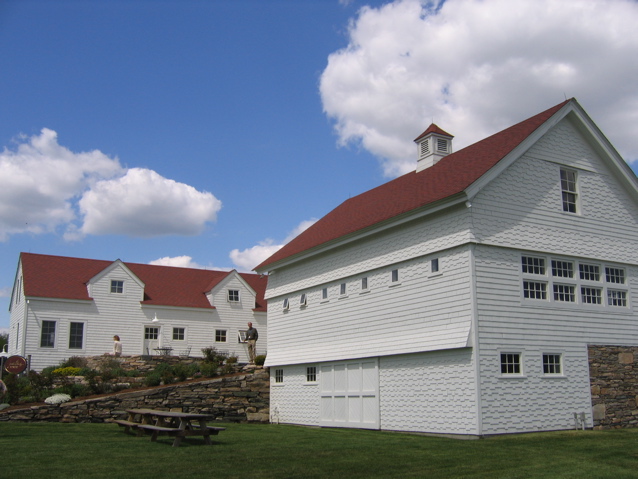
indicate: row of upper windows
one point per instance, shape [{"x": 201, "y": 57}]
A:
[
  {"x": 311, "y": 375},
  {"x": 512, "y": 364},
  {"x": 570, "y": 281},
  {"x": 365, "y": 286}
]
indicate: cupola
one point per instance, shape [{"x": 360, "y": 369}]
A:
[{"x": 433, "y": 144}]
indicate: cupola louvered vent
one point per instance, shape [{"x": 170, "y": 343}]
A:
[
  {"x": 425, "y": 148},
  {"x": 433, "y": 145},
  {"x": 441, "y": 145}
]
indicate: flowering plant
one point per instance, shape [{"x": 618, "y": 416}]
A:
[{"x": 57, "y": 399}]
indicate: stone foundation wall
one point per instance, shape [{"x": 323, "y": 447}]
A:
[
  {"x": 143, "y": 364},
  {"x": 613, "y": 372},
  {"x": 240, "y": 398}
]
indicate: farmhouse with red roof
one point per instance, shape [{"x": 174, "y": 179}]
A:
[
  {"x": 461, "y": 298},
  {"x": 62, "y": 307}
]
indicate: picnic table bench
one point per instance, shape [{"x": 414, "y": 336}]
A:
[{"x": 177, "y": 424}]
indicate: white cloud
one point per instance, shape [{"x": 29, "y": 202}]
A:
[
  {"x": 179, "y": 261},
  {"x": 5, "y": 292},
  {"x": 45, "y": 187},
  {"x": 247, "y": 259},
  {"x": 474, "y": 67}
]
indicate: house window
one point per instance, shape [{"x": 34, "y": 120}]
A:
[
  {"x": 233, "y": 296},
  {"x": 220, "y": 336},
  {"x": 279, "y": 375},
  {"x": 534, "y": 290},
  {"x": 151, "y": 333},
  {"x": 364, "y": 283},
  {"x": 311, "y": 374},
  {"x": 564, "y": 293},
  {"x": 589, "y": 272},
  {"x": 241, "y": 336},
  {"x": 533, "y": 265},
  {"x": 286, "y": 305},
  {"x": 591, "y": 295},
  {"x": 179, "y": 334},
  {"x": 47, "y": 334},
  {"x": 117, "y": 286},
  {"x": 342, "y": 289},
  {"x": 510, "y": 363},
  {"x": 395, "y": 275},
  {"x": 615, "y": 275},
  {"x": 303, "y": 300},
  {"x": 568, "y": 189},
  {"x": 562, "y": 269},
  {"x": 76, "y": 335},
  {"x": 434, "y": 265},
  {"x": 324, "y": 293},
  {"x": 616, "y": 298},
  {"x": 552, "y": 364}
]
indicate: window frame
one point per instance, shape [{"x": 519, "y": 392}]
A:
[
  {"x": 311, "y": 375},
  {"x": 221, "y": 333},
  {"x": 151, "y": 333},
  {"x": 569, "y": 190},
  {"x": 435, "y": 266},
  {"x": 51, "y": 335},
  {"x": 547, "y": 364},
  {"x": 394, "y": 276},
  {"x": 71, "y": 335},
  {"x": 117, "y": 286},
  {"x": 515, "y": 363},
  {"x": 241, "y": 336},
  {"x": 286, "y": 304},
  {"x": 176, "y": 332},
  {"x": 365, "y": 284},
  {"x": 343, "y": 289},
  {"x": 279, "y": 377},
  {"x": 324, "y": 294},
  {"x": 303, "y": 300},
  {"x": 233, "y": 296}
]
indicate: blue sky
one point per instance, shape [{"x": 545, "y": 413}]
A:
[{"x": 207, "y": 134}]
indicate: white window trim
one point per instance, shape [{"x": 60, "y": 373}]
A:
[
  {"x": 226, "y": 336},
  {"x": 238, "y": 300},
  {"x": 68, "y": 345},
  {"x": 521, "y": 355},
  {"x": 111, "y": 284},
  {"x": 303, "y": 300},
  {"x": 283, "y": 378},
  {"x": 562, "y": 365},
  {"x": 316, "y": 381},
  {"x": 241, "y": 336},
  {"x": 55, "y": 335},
  {"x": 173, "y": 328},
  {"x": 286, "y": 304}
]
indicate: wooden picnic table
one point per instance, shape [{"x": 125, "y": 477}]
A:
[{"x": 177, "y": 424}]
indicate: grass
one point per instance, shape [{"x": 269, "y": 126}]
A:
[{"x": 54, "y": 450}]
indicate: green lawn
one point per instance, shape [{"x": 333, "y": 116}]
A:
[{"x": 41, "y": 450}]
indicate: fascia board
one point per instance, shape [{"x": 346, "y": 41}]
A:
[
  {"x": 369, "y": 231},
  {"x": 58, "y": 300}
]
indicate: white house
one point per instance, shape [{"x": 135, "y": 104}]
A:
[
  {"x": 62, "y": 307},
  {"x": 461, "y": 298}
]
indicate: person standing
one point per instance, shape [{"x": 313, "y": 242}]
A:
[
  {"x": 117, "y": 346},
  {"x": 251, "y": 338}
]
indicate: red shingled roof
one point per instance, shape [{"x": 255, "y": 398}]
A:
[
  {"x": 450, "y": 176},
  {"x": 433, "y": 129},
  {"x": 65, "y": 278}
]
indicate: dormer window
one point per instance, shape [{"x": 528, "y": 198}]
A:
[
  {"x": 233, "y": 296},
  {"x": 117, "y": 286}
]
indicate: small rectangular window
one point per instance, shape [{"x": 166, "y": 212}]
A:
[
  {"x": 233, "y": 296},
  {"x": 241, "y": 336},
  {"x": 279, "y": 375},
  {"x": 179, "y": 334},
  {"x": 564, "y": 293},
  {"x": 220, "y": 335},
  {"x": 342, "y": 289},
  {"x": 395, "y": 275},
  {"x": 311, "y": 374},
  {"x": 364, "y": 283},
  {"x": 534, "y": 290},
  {"x": 151, "y": 333},
  {"x": 286, "y": 305},
  {"x": 591, "y": 295},
  {"x": 117, "y": 286},
  {"x": 562, "y": 269},
  {"x": 47, "y": 334},
  {"x": 552, "y": 364},
  {"x": 589, "y": 272},
  {"x": 614, "y": 275},
  {"x": 510, "y": 363},
  {"x": 303, "y": 300},
  {"x": 533, "y": 265},
  {"x": 434, "y": 265},
  {"x": 616, "y": 298},
  {"x": 568, "y": 189},
  {"x": 76, "y": 335},
  {"x": 324, "y": 293}
]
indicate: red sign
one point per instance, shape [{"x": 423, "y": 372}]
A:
[{"x": 15, "y": 364}]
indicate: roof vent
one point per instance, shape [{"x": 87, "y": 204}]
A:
[{"x": 433, "y": 144}]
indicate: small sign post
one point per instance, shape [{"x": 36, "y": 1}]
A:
[{"x": 15, "y": 364}]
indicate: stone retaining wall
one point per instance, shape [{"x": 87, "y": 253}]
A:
[
  {"x": 613, "y": 372},
  {"x": 240, "y": 398}
]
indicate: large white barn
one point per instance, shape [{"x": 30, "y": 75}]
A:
[
  {"x": 62, "y": 307},
  {"x": 461, "y": 298}
]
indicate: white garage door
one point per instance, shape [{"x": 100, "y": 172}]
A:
[{"x": 350, "y": 394}]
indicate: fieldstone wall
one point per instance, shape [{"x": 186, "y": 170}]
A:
[
  {"x": 143, "y": 364},
  {"x": 613, "y": 373},
  {"x": 240, "y": 398}
]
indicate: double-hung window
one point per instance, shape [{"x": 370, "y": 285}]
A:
[
  {"x": 569, "y": 190},
  {"x": 47, "y": 334},
  {"x": 76, "y": 335}
]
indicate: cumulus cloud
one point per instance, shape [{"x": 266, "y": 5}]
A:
[
  {"x": 45, "y": 188},
  {"x": 474, "y": 67},
  {"x": 178, "y": 261},
  {"x": 247, "y": 259}
]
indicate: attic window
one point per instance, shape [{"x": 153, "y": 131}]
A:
[
  {"x": 233, "y": 296},
  {"x": 568, "y": 188},
  {"x": 441, "y": 145},
  {"x": 117, "y": 286},
  {"x": 303, "y": 300}
]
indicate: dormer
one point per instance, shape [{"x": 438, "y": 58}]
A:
[{"x": 432, "y": 145}]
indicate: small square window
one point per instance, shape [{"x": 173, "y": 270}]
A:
[
  {"x": 117, "y": 286},
  {"x": 364, "y": 283},
  {"x": 324, "y": 293},
  {"x": 510, "y": 363},
  {"x": 342, "y": 289},
  {"x": 233, "y": 296},
  {"x": 434, "y": 265},
  {"x": 533, "y": 265},
  {"x": 311, "y": 374},
  {"x": 614, "y": 275},
  {"x": 395, "y": 275},
  {"x": 151, "y": 333},
  {"x": 220, "y": 335},
  {"x": 179, "y": 334},
  {"x": 286, "y": 305},
  {"x": 616, "y": 298},
  {"x": 279, "y": 375},
  {"x": 552, "y": 364},
  {"x": 303, "y": 300}
]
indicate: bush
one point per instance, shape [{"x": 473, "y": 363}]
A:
[
  {"x": 74, "y": 362},
  {"x": 260, "y": 360},
  {"x": 153, "y": 379},
  {"x": 182, "y": 371},
  {"x": 67, "y": 371},
  {"x": 211, "y": 355},
  {"x": 232, "y": 360},
  {"x": 208, "y": 369}
]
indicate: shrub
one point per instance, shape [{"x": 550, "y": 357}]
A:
[
  {"x": 153, "y": 379},
  {"x": 260, "y": 360},
  {"x": 74, "y": 362},
  {"x": 74, "y": 390},
  {"x": 208, "y": 369},
  {"x": 211, "y": 355},
  {"x": 67, "y": 371},
  {"x": 232, "y": 360},
  {"x": 182, "y": 371}
]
